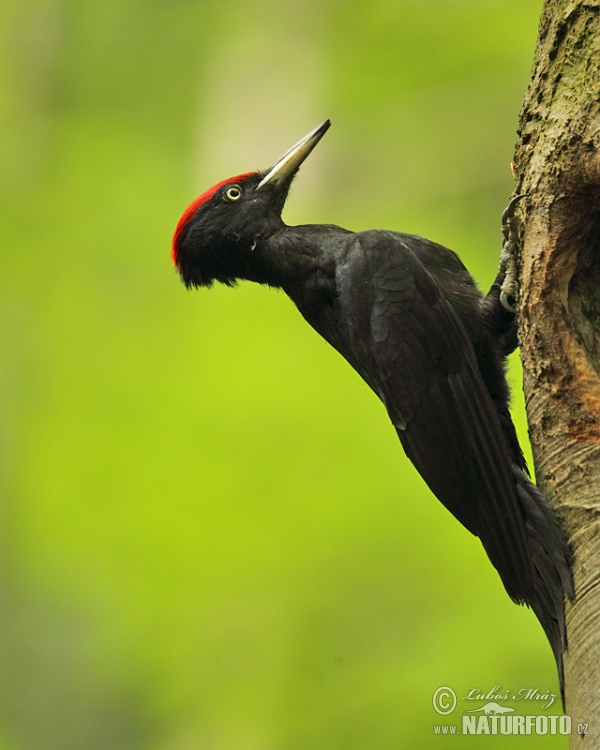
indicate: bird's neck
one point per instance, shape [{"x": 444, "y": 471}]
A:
[{"x": 301, "y": 260}]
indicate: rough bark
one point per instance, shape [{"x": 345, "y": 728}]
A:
[{"x": 557, "y": 163}]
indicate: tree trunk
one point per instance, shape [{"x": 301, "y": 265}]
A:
[{"x": 557, "y": 165}]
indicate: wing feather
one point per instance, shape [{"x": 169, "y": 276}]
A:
[{"x": 422, "y": 364}]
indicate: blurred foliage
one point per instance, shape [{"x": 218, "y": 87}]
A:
[{"x": 210, "y": 537}]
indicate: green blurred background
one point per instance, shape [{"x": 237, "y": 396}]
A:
[{"x": 210, "y": 537}]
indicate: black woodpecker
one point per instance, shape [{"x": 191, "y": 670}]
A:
[{"x": 407, "y": 315}]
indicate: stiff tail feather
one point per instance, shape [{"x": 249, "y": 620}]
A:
[{"x": 552, "y": 566}]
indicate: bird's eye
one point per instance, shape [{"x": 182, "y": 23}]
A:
[{"x": 233, "y": 193}]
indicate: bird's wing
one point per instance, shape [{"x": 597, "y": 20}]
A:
[{"x": 417, "y": 356}]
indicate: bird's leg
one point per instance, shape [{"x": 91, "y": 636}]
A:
[
  {"x": 508, "y": 260},
  {"x": 499, "y": 306}
]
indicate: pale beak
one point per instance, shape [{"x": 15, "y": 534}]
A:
[{"x": 292, "y": 159}]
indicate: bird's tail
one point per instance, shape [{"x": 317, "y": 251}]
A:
[{"x": 551, "y": 560}]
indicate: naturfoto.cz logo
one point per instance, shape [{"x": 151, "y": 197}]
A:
[{"x": 495, "y": 718}]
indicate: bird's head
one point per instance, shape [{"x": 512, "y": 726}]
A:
[{"x": 218, "y": 233}]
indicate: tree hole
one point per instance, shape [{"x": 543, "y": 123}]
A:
[{"x": 583, "y": 236}]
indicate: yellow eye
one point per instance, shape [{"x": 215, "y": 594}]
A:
[{"x": 233, "y": 193}]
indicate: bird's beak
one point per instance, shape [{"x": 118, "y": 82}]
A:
[{"x": 292, "y": 159}]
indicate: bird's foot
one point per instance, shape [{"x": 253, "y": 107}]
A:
[{"x": 508, "y": 259}]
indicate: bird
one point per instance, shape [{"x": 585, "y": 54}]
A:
[{"x": 409, "y": 318}]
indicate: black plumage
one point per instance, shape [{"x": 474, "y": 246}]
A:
[{"x": 408, "y": 316}]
